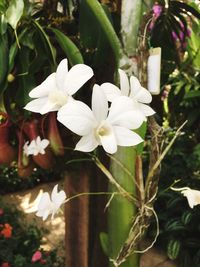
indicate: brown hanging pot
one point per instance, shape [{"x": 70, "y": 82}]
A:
[
  {"x": 54, "y": 135},
  {"x": 7, "y": 152},
  {"x": 25, "y": 163}
]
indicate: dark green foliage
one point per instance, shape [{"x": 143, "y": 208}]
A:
[
  {"x": 179, "y": 227},
  {"x": 24, "y": 241},
  {"x": 11, "y": 182}
]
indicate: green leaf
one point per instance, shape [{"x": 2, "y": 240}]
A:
[
  {"x": 174, "y": 225},
  {"x": 104, "y": 242},
  {"x": 3, "y": 24},
  {"x": 26, "y": 81},
  {"x": 186, "y": 217},
  {"x": 50, "y": 48},
  {"x": 173, "y": 249},
  {"x": 185, "y": 8},
  {"x": 3, "y": 6},
  {"x": 106, "y": 26},
  {"x": 14, "y": 12},
  {"x": 192, "y": 94},
  {"x": 14, "y": 49},
  {"x": 69, "y": 48},
  {"x": 185, "y": 259},
  {"x": 93, "y": 37},
  {"x": 3, "y": 59}
]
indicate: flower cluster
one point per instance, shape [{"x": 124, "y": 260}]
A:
[
  {"x": 181, "y": 35},
  {"x": 101, "y": 125},
  {"x": 6, "y": 230},
  {"x": 36, "y": 146},
  {"x": 157, "y": 11},
  {"x": 107, "y": 125},
  {"x": 50, "y": 205},
  {"x": 37, "y": 257}
]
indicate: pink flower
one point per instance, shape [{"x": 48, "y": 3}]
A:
[{"x": 36, "y": 256}]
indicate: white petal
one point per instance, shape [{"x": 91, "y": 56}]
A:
[
  {"x": 77, "y": 76},
  {"x": 58, "y": 198},
  {"x": 111, "y": 91},
  {"x": 120, "y": 105},
  {"x": 61, "y": 196},
  {"x": 36, "y": 105},
  {"x": 54, "y": 192},
  {"x": 124, "y": 82},
  {"x": 87, "y": 143},
  {"x": 44, "y": 143},
  {"x": 44, "y": 88},
  {"x": 147, "y": 111},
  {"x": 77, "y": 117},
  {"x": 41, "y": 105},
  {"x": 135, "y": 86},
  {"x": 45, "y": 214},
  {"x": 61, "y": 73},
  {"x": 193, "y": 196},
  {"x": 99, "y": 103},
  {"x": 122, "y": 113},
  {"x": 44, "y": 202},
  {"x": 130, "y": 119},
  {"x": 126, "y": 137},
  {"x": 143, "y": 96},
  {"x": 109, "y": 142}
]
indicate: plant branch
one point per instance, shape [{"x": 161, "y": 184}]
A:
[{"x": 113, "y": 181}]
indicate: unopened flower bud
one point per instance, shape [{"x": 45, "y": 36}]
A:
[{"x": 10, "y": 78}]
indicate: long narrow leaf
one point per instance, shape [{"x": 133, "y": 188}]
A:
[
  {"x": 186, "y": 7},
  {"x": 69, "y": 48},
  {"x": 107, "y": 27},
  {"x": 3, "y": 58},
  {"x": 46, "y": 38}
]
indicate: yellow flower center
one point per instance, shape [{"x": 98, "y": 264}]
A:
[
  {"x": 103, "y": 129},
  {"x": 58, "y": 97}
]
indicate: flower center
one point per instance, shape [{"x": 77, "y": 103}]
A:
[
  {"x": 103, "y": 129},
  {"x": 58, "y": 97}
]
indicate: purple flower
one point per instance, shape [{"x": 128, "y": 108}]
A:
[{"x": 157, "y": 10}]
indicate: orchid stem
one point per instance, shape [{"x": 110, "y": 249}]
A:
[
  {"x": 91, "y": 194},
  {"x": 113, "y": 181}
]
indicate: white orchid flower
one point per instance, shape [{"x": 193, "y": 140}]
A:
[
  {"x": 133, "y": 89},
  {"x": 58, "y": 88},
  {"x": 98, "y": 127},
  {"x": 50, "y": 205},
  {"x": 36, "y": 146},
  {"x": 193, "y": 196}
]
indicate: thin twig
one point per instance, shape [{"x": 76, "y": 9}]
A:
[
  {"x": 139, "y": 180},
  {"x": 157, "y": 163},
  {"x": 113, "y": 181}
]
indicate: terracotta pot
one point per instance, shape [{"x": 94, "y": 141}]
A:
[{"x": 7, "y": 152}]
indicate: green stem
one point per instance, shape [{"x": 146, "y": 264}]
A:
[
  {"x": 121, "y": 211},
  {"x": 90, "y": 194}
]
